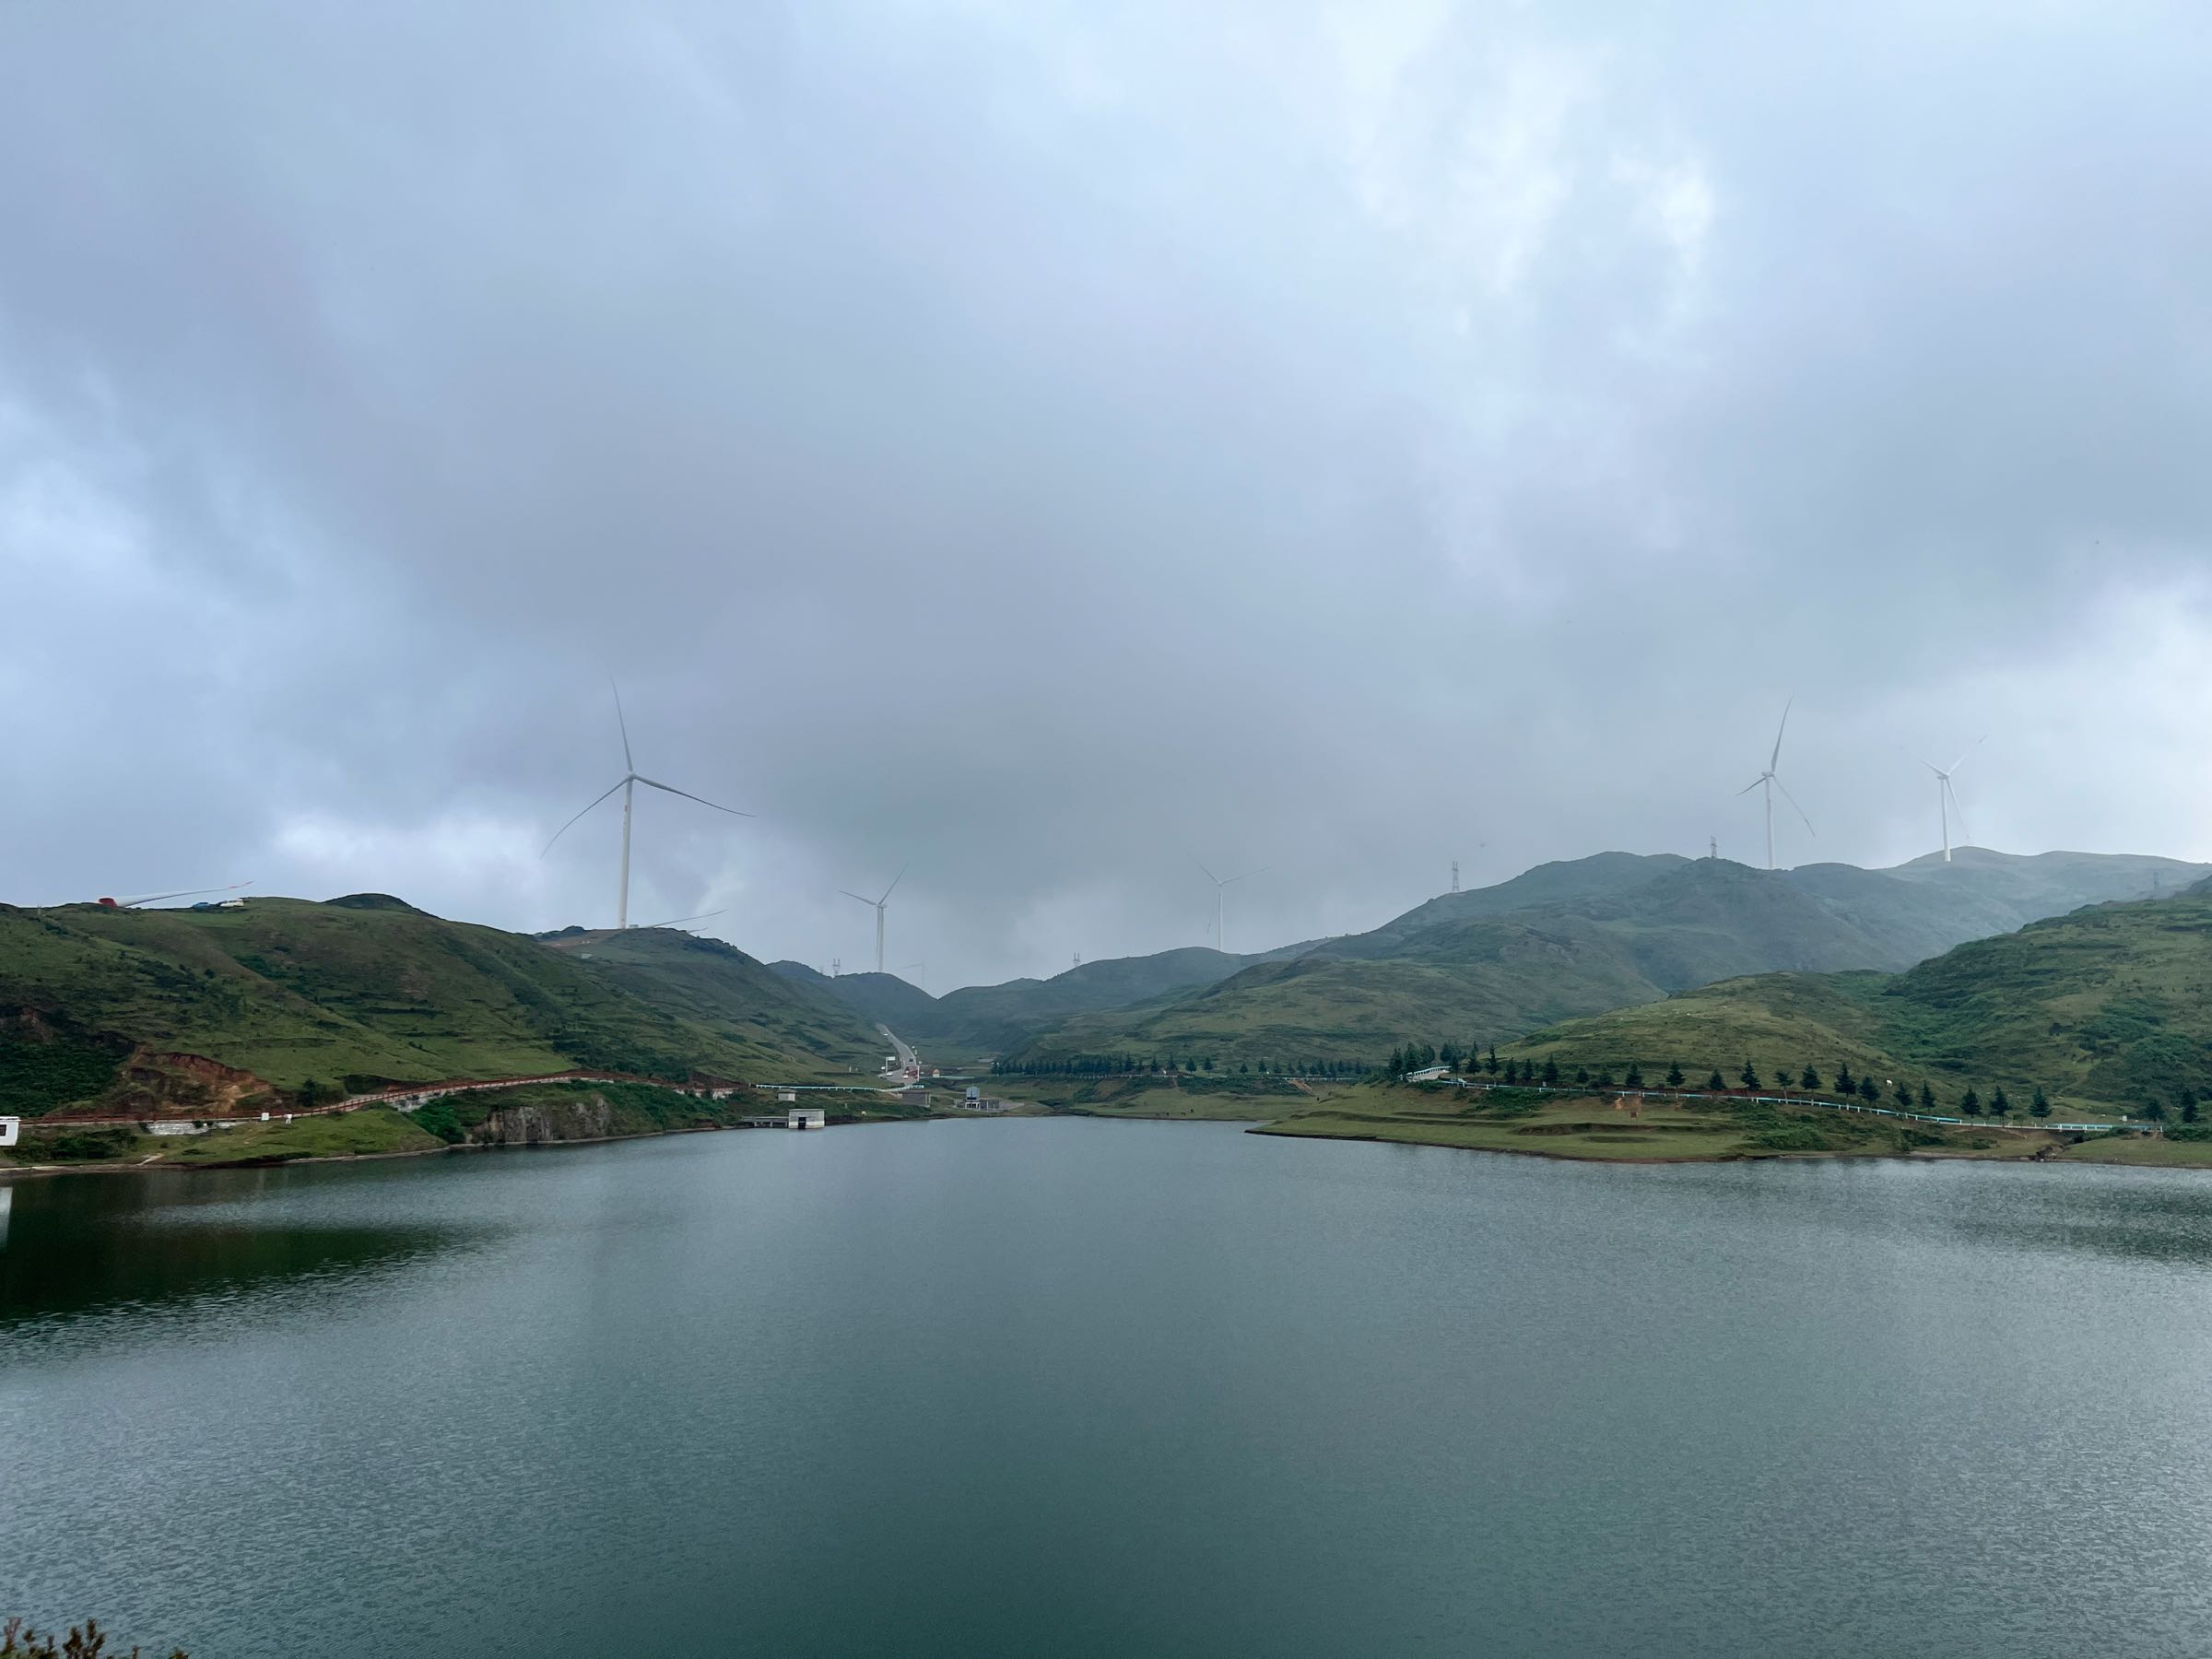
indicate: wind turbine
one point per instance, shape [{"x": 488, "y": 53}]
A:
[
  {"x": 1221, "y": 884},
  {"x": 1946, "y": 795},
  {"x": 921, "y": 972},
  {"x": 631, "y": 777},
  {"x": 879, "y": 903},
  {"x": 1771, "y": 783}
]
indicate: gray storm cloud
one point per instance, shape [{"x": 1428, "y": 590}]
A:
[{"x": 1054, "y": 448}]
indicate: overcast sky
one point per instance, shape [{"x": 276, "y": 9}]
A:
[{"x": 1057, "y": 443}]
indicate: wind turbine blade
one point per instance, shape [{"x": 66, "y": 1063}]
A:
[
  {"x": 1755, "y": 782},
  {"x": 702, "y": 916},
  {"x": 895, "y": 881},
  {"x": 1800, "y": 811},
  {"x": 187, "y": 893},
  {"x": 628, "y": 764},
  {"x": 1775, "y": 760},
  {"x": 1248, "y": 874},
  {"x": 1210, "y": 875},
  {"x": 849, "y": 893},
  {"x": 1965, "y": 836},
  {"x": 564, "y": 829},
  {"x": 1970, "y": 750},
  {"x": 671, "y": 789}
]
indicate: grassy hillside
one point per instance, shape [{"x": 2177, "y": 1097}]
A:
[
  {"x": 2109, "y": 1009},
  {"x": 877, "y": 998},
  {"x": 1598, "y": 933},
  {"x": 286, "y": 990},
  {"x": 718, "y": 986}
]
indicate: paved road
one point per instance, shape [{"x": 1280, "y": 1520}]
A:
[{"x": 906, "y": 1055}]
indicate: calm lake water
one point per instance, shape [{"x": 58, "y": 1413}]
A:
[{"x": 1109, "y": 1388}]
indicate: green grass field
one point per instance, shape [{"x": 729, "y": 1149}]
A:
[
  {"x": 1247, "y": 1099},
  {"x": 1593, "y": 1127}
]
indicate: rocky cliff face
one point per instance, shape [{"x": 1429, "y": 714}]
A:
[{"x": 530, "y": 1123}]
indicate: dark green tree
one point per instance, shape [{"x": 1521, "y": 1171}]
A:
[
  {"x": 1927, "y": 1098},
  {"x": 309, "y": 1093},
  {"x": 1581, "y": 1074},
  {"x": 1844, "y": 1083},
  {"x": 1970, "y": 1104},
  {"x": 1490, "y": 1064},
  {"x": 1904, "y": 1095},
  {"x": 1605, "y": 1076},
  {"x": 2188, "y": 1106},
  {"x": 1674, "y": 1074},
  {"x": 1633, "y": 1078},
  {"x": 1998, "y": 1105},
  {"x": 1448, "y": 1056},
  {"x": 1716, "y": 1083},
  {"x": 2155, "y": 1110},
  {"x": 1869, "y": 1091},
  {"x": 1749, "y": 1075},
  {"x": 1809, "y": 1079},
  {"x": 1551, "y": 1074},
  {"x": 2040, "y": 1106}
]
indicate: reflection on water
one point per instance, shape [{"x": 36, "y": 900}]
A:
[{"x": 74, "y": 1246}]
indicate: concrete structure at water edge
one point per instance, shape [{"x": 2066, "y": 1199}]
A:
[
  {"x": 975, "y": 1100},
  {"x": 913, "y": 1097},
  {"x": 806, "y": 1117}
]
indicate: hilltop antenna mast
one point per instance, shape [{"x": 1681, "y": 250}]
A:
[
  {"x": 1713, "y": 848},
  {"x": 1078, "y": 961},
  {"x": 837, "y": 966},
  {"x": 1455, "y": 874}
]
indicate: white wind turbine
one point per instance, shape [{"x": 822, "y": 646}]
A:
[
  {"x": 878, "y": 904},
  {"x": 1946, "y": 795},
  {"x": 627, "y": 784},
  {"x": 1221, "y": 884},
  {"x": 1769, "y": 782}
]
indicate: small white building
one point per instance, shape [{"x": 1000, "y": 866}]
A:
[
  {"x": 806, "y": 1117},
  {"x": 10, "y": 1129},
  {"x": 1429, "y": 1074},
  {"x": 784, "y": 1097},
  {"x": 176, "y": 1128}
]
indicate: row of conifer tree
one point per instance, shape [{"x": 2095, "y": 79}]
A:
[{"x": 1900, "y": 1094}]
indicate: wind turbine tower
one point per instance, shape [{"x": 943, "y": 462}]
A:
[
  {"x": 1221, "y": 884},
  {"x": 627, "y": 784},
  {"x": 1770, "y": 782},
  {"x": 879, "y": 903},
  {"x": 1946, "y": 795}
]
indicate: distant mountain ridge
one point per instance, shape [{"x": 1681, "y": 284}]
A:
[
  {"x": 984, "y": 1018},
  {"x": 1586, "y": 935}
]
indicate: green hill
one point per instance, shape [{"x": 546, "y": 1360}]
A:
[
  {"x": 1595, "y": 934},
  {"x": 716, "y": 985},
  {"x": 2108, "y": 1009},
  {"x": 152, "y": 1006}
]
